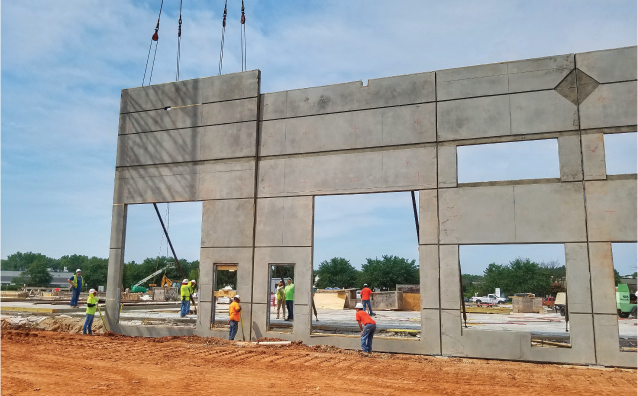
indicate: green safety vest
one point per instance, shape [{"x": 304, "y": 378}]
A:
[
  {"x": 91, "y": 300},
  {"x": 290, "y": 291},
  {"x": 185, "y": 291},
  {"x": 74, "y": 282},
  {"x": 280, "y": 293}
]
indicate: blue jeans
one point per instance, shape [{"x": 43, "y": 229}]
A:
[
  {"x": 289, "y": 306},
  {"x": 367, "y": 302},
  {"x": 233, "y": 329},
  {"x": 75, "y": 296},
  {"x": 366, "y": 337},
  {"x": 185, "y": 308},
  {"x": 88, "y": 323}
]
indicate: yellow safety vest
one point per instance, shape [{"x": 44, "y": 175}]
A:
[
  {"x": 185, "y": 292},
  {"x": 74, "y": 282},
  {"x": 91, "y": 300}
]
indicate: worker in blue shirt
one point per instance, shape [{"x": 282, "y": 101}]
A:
[{"x": 76, "y": 282}]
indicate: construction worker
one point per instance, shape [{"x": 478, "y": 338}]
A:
[
  {"x": 185, "y": 291},
  {"x": 281, "y": 299},
  {"x": 367, "y": 326},
  {"x": 91, "y": 306},
  {"x": 366, "y": 295},
  {"x": 233, "y": 317},
  {"x": 76, "y": 282},
  {"x": 289, "y": 292}
]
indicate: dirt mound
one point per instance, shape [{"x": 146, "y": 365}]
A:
[{"x": 62, "y": 323}]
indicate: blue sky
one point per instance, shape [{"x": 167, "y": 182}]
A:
[{"x": 64, "y": 64}]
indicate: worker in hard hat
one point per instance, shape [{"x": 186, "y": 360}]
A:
[
  {"x": 234, "y": 317},
  {"x": 76, "y": 282},
  {"x": 366, "y": 296},
  {"x": 280, "y": 298},
  {"x": 368, "y": 326},
  {"x": 91, "y": 306},
  {"x": 185, "y": 292},
  {"x": 289, "y": 292}
]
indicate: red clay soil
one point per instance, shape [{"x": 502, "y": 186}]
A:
[{"x": 51, "y": 363}]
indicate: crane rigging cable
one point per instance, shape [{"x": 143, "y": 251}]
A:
[
  {"x": 179, "y": 39},
  {"x": 221, "y": 51},
  {"x": 155, "y": 38},
  {"x": 243, "y": 37}
]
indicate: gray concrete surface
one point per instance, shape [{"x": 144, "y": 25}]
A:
[{"x": 261, "y": 158}]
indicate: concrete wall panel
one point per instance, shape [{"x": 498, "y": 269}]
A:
[
  {"x": 602, "y": 278},
  {"x": 611, "y": 210},
  {"x": 243, "y": 257},
  {"x": 300, "y": 257},
  {"x": 578, "y": 286},
  {"x": 607, "y": 345},
  {"x": 428, "y": 217},
  {"x": 609, "y": 105},
  {"x": 473, "y": 118},
  {"x": 284, "y": 221},
  {"x": 187, "y": 92},
  {"x": 448, "y": 173},
  {"x": 550, "y": 213},
  {"x": 429, "y": 275},
  {"x": 569, "y": 158},
  {"x": 544, "y": 111},
  {"x": 539, "y": 73},
  {"x": 273, "y": 105},
  {"x": 226, "y": 180},
  {"x": 118, "y": 226},
  {"x": 594, "y": 156},
  {"x": 477, "y": 215},
  {"x": 618, "y": 64},
  {"x": 228, "y": 223},
  {"x": 450, "y": 272},
  {"x": 393, "y": 170}
]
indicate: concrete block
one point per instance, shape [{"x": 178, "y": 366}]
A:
[
  {"x": 226, "y": 180},
  {"x": 477, "y": 215},
  {"x": 609, "y": 105},
  {"x": 607, "y": 344},
  {"x": 381, "y": 92},
  {"x": 578, "y": 281},
  {"x": 569, "y": 158},
  {"x": 594, "y": 156},
  {"x": 228, "y": 223},
  {"x": 428, "y": 217},
  {"x": 550, "y": 213},
  {"x": 539, "y": 73},
  {"x": 429, "y": 275},
  {"x": 188, "y": 117},
  {"x": 473, "y": 118},
  {"x": 350, "y": 130},
  {"x": 611, "y": 210},
  {"x": 300, "y": 257},
  {"x": 602, "y": 278},
  {"x": 284, "y": 221},
  {"x": 187, "y": 92},
  {"x": 544, "y": 111},
  {"x": 118, "y": 226},
  {"x": 379, "y": 171},
  {"x": 243, "y": 257},
  {"x": 450, "y": 273},
  {"x": 618, "y": 64},
  {"x": 273, "y": 105},
  {"x": 448, "y": 173}
]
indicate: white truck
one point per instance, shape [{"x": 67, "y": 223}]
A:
[{"x": 489, "y": 299}]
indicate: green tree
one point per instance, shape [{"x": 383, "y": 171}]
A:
[
  {"x": 338, "y": 272},
  {"x": 470, "y": 284},
  {"x": 388, "y": 272},
  {"x": 36, "y": 275},
  {"x": 616, "y": 277},
  {"x": 519, "y": 276},
  {"x": 283, "y": 271},
  {"x": 95, "y": 272},
  {"x": 21, "y": 261}
]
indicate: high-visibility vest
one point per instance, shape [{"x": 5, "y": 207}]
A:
[
  {"x": 91, "y": 300},
  {"x": 74, "y": 282},
  {"x": 185, "y": 292}
]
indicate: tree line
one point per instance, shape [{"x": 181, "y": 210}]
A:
[
  {"x": 384, "y": 273},
  {"x": 35, "y": 267}
]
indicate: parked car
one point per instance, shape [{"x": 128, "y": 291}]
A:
[{"x": 489, "y": 299}]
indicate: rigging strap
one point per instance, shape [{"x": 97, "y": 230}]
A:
[{"x": 155, "y": 38}]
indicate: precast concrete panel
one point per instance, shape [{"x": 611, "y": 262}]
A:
[
  {"x": 606, "y": 66},
  {"x": 242, "y": 257},
  {"x": 611, "y": 210},
  {"x": 228, "y": 223},
  {"x": 428, "y": 217},
  {"x": 118, "y": 226},
  {"x": 602, "y": 278},
  {"x": 610, "y": 105},
  {"x": 429, "y": 276},
  {"x": 594, "y": 156},
  {"x": 450, "y": 273},
  {"x": 300, "y": 257},
  {"x": 569, "y": 158},
  {"x": 473, "y": 118},
  {"x": 447, "y": 167},
  {"x": 284, "y": 221},
  {"x": 543, "y": 111},
  {"x": 579, "y": 298},
  {"x": 350, "y": 130},
  {"x": 607, "y": 344},
  {"x": 187, "y": 92}
]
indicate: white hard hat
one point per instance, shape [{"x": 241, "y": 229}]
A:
[
  {"x": 185, "y": 281},
  {"x": 365, "y": 284},
  {"x": 358, "y": 306},
  {"x": 92, "y": 291},
  {"x": 78, "y": 270},
  {"x": 193, "y": 281},
  {"x": 237, "y": 297}
]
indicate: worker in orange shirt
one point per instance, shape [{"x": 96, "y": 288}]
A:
[
  {"x": 366, "y": 295},
  {"x": 368, "y": 326},
  {"x": 233, "y": 317}
]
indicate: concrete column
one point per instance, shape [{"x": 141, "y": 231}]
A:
[
  {"x": 569, "y": 158},
  {"x": 448, "y": 173},
  {"x": 116, "y": 264}
]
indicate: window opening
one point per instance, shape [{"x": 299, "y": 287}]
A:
[
  {"x": 620, "y": 153},
  {"x": 281, "y": 291},
  {"x": 225, "y": 290},
  {"x": 625, "y": 258}
]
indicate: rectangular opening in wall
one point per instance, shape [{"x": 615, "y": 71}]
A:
[
  {"x": 624, "y": 257},
  {"x": 281, "y": 291},
  {"x": 225, "y": 290},
  {"x": 152, "y": 278},
  {"x": 620, "y": 153},
  {"x": 517, "y": 288},
  {"x": 366, "y": 252},
  {"x": 532, "y": 159}
]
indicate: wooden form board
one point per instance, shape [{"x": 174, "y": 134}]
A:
[
  {"x": 411, "y": 301},
  {"x": 330, "y": 300}
]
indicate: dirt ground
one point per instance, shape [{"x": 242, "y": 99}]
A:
[{"x": 61, "y": 363}]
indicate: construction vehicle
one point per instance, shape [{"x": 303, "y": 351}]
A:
[
  {"x": 166, "y": 282},
  {"x": 489, "y": 299},
  {"x": 624, "y": 306},
  {"x": 137, "y": 288},
  {"x": 560, "y": 303}
]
